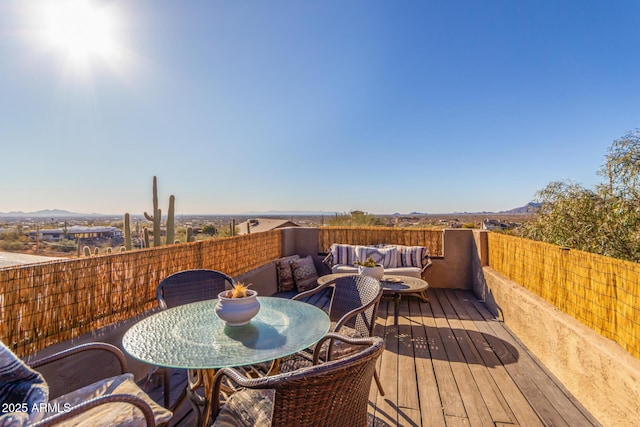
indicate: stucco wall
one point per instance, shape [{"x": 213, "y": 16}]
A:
[
  {"x": 597, "y": 371},
  {"x": 453, "y": 270}
]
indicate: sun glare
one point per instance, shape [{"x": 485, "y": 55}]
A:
[{"x": 81, "y": 31}]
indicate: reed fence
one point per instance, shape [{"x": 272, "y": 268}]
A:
[
  {"x": 430, "y": 238},
  {"x": 601, "y": 292},
  {"x": 46, "y": 303}
]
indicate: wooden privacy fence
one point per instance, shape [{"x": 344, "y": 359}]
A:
[
  {"x": 430, "y": 238},
  {"x": 601, "y": 292},
  {"x": 43, "y": 304}
]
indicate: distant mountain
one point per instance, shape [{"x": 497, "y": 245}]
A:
[
  {"x": 528, "y": 208},
  {"x": 47, "y": 213},
  {"x": 288, "y": 213}
]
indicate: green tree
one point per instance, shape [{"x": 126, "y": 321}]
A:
[
  {"x": 355, "y": 218},
  {"x": 209, "y": 229},
  {"x": 603, "y": 220}
]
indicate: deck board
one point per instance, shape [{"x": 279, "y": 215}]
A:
[
  {"x": 517, "y": 404},
  {"x": 450, "y": 363}
]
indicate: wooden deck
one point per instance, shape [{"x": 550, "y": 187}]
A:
[{"x": 450, "y": 363}]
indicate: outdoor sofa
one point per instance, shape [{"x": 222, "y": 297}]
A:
[{"x": 396, "y": 259}]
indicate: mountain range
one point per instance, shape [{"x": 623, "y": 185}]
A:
[
  {"x": 49, "y": 213},
  {"x": 53, "y": 213}
]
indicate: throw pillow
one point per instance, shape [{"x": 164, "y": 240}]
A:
[
  {"x": 342, "y": 254},
  {"x": 285, "y": 273},
  {"x": 304, "y": 273},
  {"x": 386, "y": 256},
  {"x": 411, "y": 256}
]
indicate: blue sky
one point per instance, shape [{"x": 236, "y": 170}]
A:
[{"x": 381, "y": 106}]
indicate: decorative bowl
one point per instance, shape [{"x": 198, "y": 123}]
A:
[
  {"x": 376, "y": 272},
  {"x": 237, "y": 311}
]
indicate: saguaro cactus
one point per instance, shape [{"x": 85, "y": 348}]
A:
[
  {"x": 156, "y": 218},
  {"x": 127, "y": 231},
  {"x": 171, "y": 230}
]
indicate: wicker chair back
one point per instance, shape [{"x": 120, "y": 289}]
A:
[
  {"x": 190, "y": 286},
  {"x": 353, "y": 292}
]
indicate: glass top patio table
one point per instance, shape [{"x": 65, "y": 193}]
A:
[{"x": 191, "y": 336}]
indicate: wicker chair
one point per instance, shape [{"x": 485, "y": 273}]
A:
[
  {"x": 185, "y": 287},
  {"x": 353, "y": 308},
  {"x": 27, "y": 389},
  {"x": 189, "y": 286},
  {"x": 332, "y": 393}
]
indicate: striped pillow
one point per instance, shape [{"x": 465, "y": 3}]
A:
[
  {"x": 343, "y": 254},
  {"x": 385, "y": 256},
  {"x": 411, "y": 256}
]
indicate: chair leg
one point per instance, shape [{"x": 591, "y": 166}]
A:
[
  {"x": 378, "y": 383},
  {"x": 166, "y": 383}
]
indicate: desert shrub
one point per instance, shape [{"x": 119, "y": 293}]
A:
[
  {"x": 64, "y": 246},
  {"x": 209, "y": 229},
  {"x": 12, "y": 245},
  {"x": 356, "y": 219}
]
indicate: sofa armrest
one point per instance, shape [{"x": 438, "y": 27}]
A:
[
  {"x": 427, "y": 263},
  {"x": 328, "y": 260}
]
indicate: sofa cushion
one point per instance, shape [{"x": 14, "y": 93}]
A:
[
  {"x": 398, "y": 271},
  {"x": 385, "y": 256},
  {"x": 110, "y": 414},
  {"x": 286, "y": 281},
  {"x": 305, "y": 273},
  {"x": 21, "y": 388},
  {"x": 405, "y": 271},
  {"x": 343, "y": 268}
]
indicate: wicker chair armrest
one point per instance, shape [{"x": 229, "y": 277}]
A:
[
  {"x": 310, "y": 292},
  {"x": 333, "y": 337},
  {"x": 112, "y": 349},
  {"x": 89, "y": 404}
]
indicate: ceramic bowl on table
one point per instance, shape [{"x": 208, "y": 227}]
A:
[
  {"x": 237, "y": 311},
  {"x": 375, "y": 272}
]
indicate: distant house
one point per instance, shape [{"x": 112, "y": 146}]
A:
[
  {"x": 78, "y": 232},
  {"x": 494, "y": 224},
  {"x": 53, "y": 235},
  {"x": 263, "y": 224}
]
